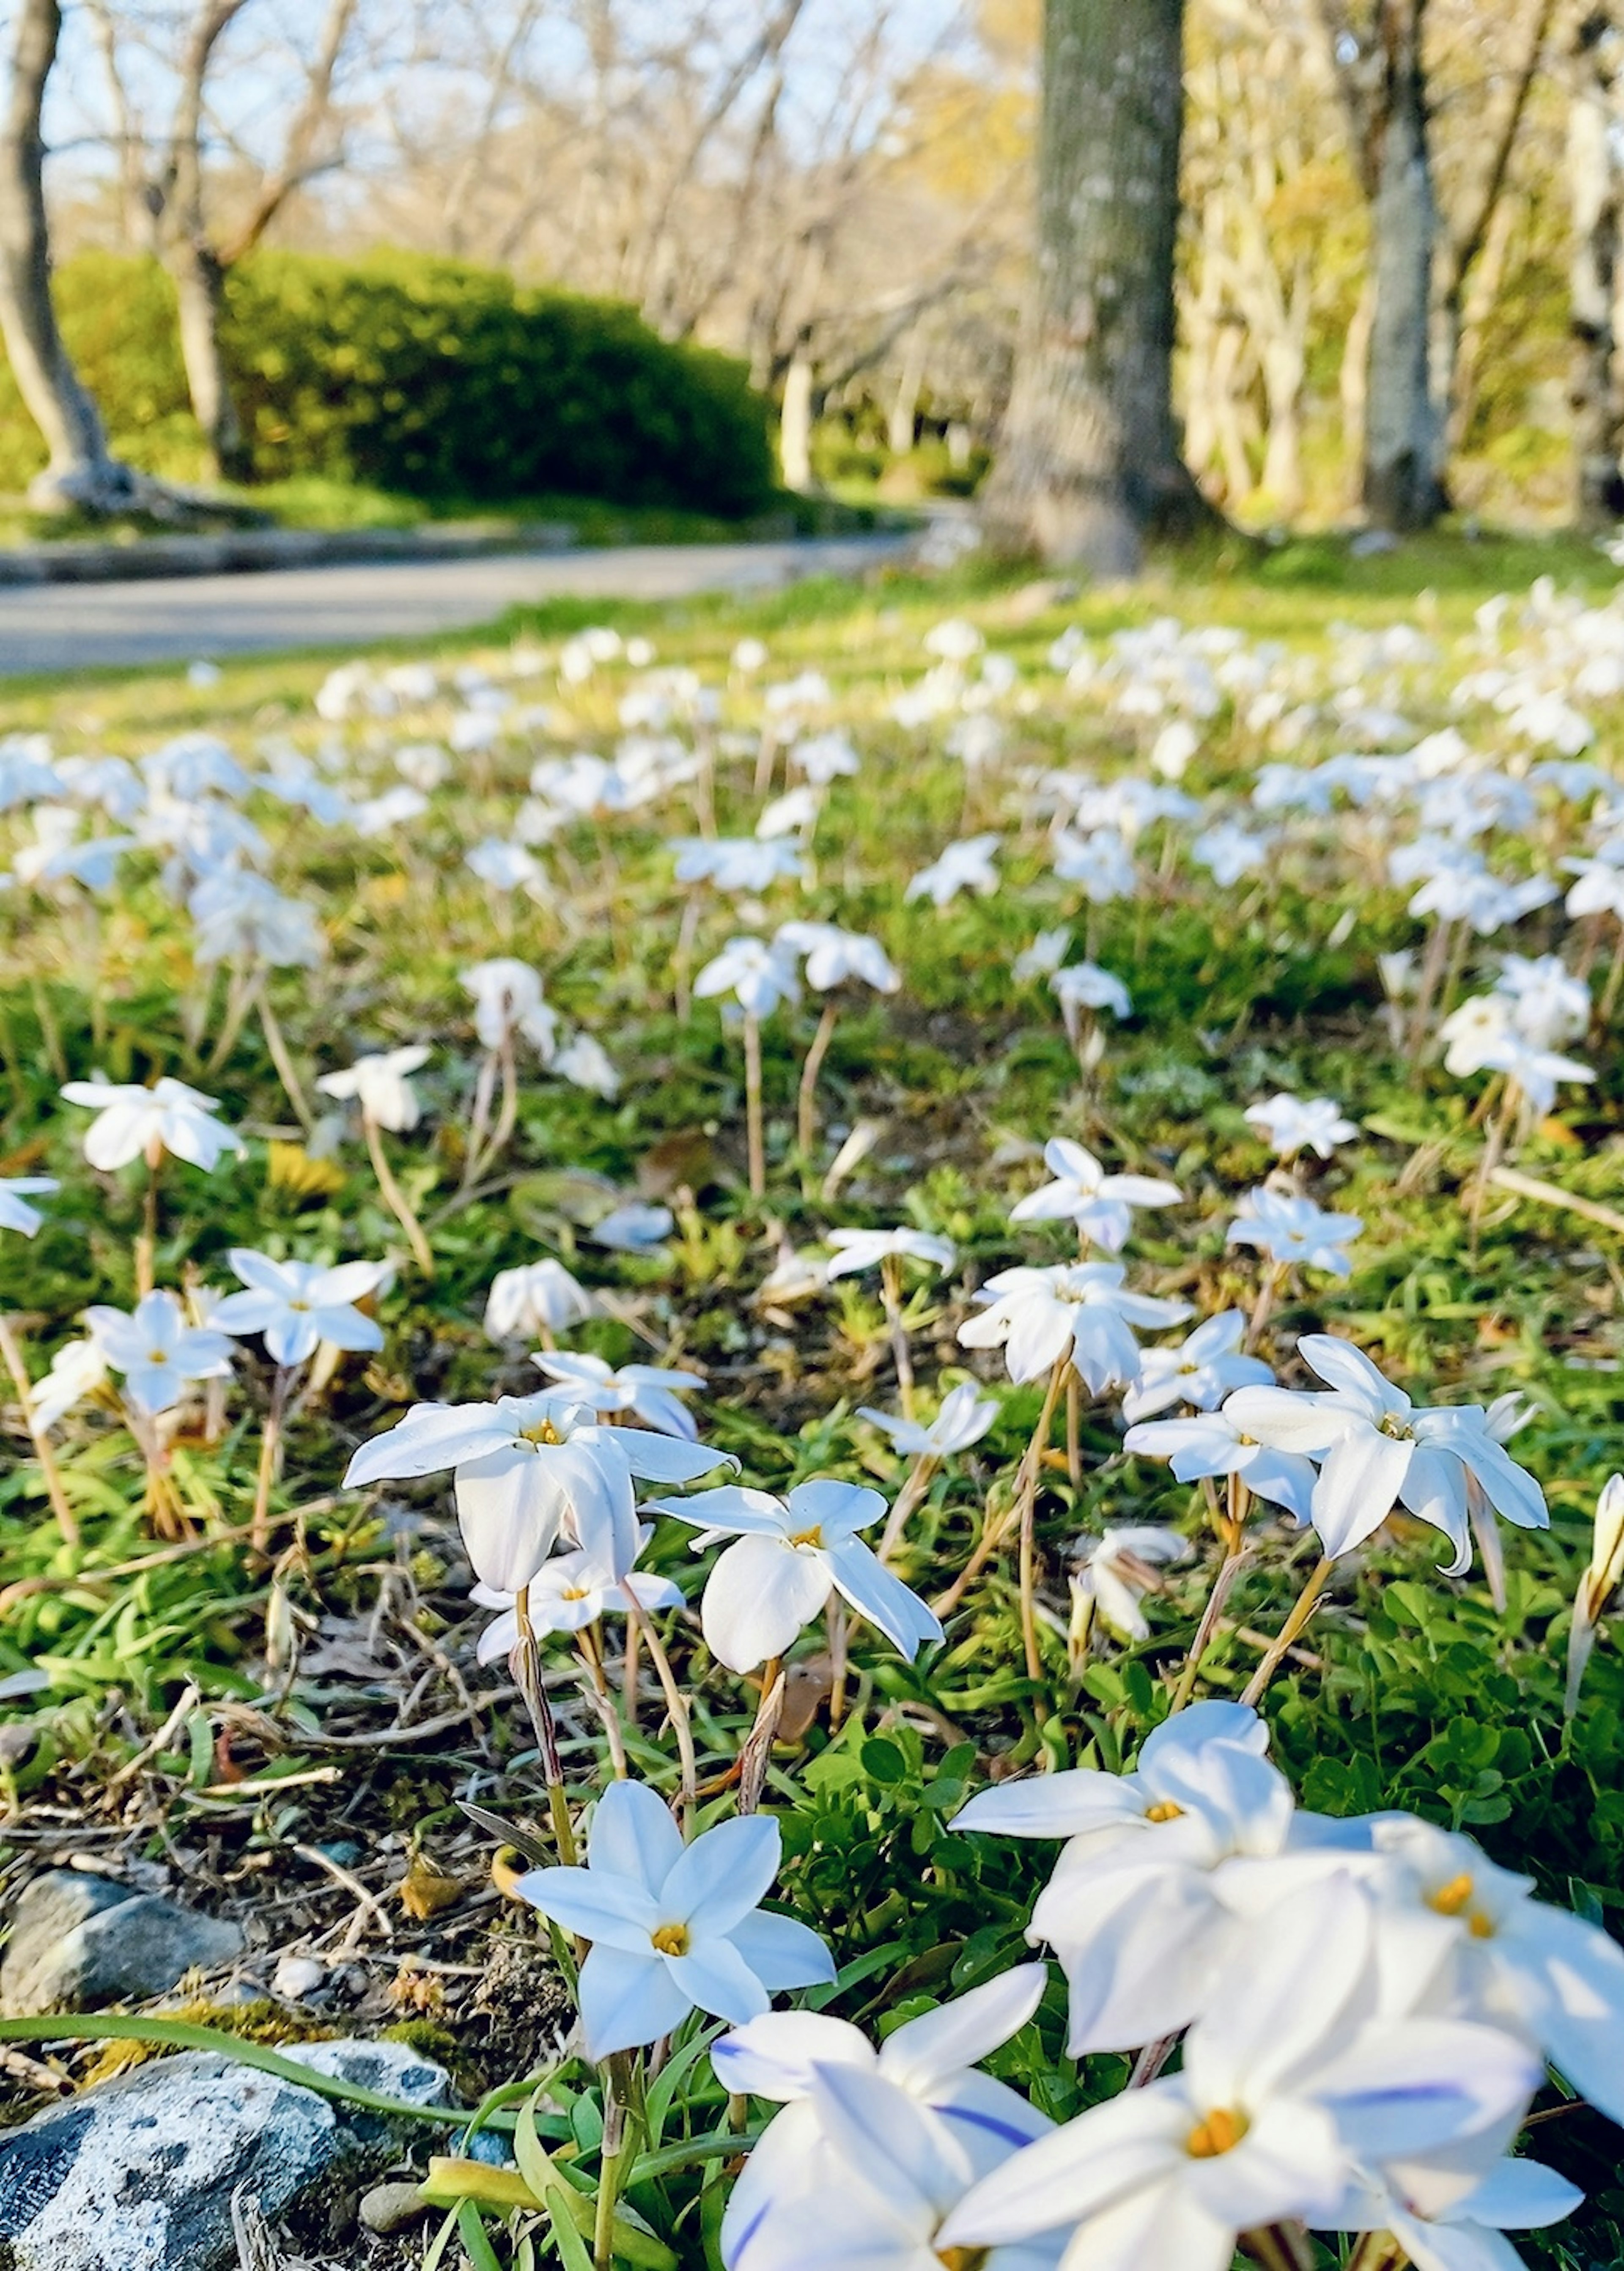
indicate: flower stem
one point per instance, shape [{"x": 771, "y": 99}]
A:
[
  {"x": 890, "y": 1294},
  {"x": 1263, "y": 1304},
  {"x": 806, "y": 1099},
  {"x": 907, "y": 1497},
  {"x": 754, "y": 1136},
  {"x": 1289, "y": 1630},
  {"x": 609, "y": 2168},
  {"x": 269, "y": 1449},
  {"x": 527, "y": 1661},
  {"x": 756, "y": 1749},
  {"x": 146, "y": 1244},
  {"x": 276, "y": 1041},
  {"x": 1027, "y": 1488},
  {"x": 394, "y": 1198},
  {"x": 592, "y": 1657},
  {"x": 676, "y": 1709},
  {"x": 49, "y": 1472}
]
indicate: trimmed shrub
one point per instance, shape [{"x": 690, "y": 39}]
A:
[{"x": 426, "y": 377}]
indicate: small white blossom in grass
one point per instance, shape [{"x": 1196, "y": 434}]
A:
[
  {"x": 382, "y": 1085},
  {"x": 964, "y": 866},
  {"x": 298, "y": 1304},
  {"x": 1376, "y": 1450},
  {"x": 1229, "y": 852},
  {"x": 738, "y": 863},
  {"x": 157, "y": 1352},
  {"x": 1085, "y": 1311},
  {"x": 871, "y": 2150},
  {"x": 758, "y": 975},
  {"x": 1101, "y": 1204},
  {"x": 1203, "y": 1370},
  {"x": 1085, "y": 985},
  {"x": 1116, "y": 1571},
  {"x": 585, "y": 1063},
  {"x": 790, "y": 1555},
  {"x": 525, "y": 1468},
  {"x": 1598, "y": 1585},
  {"x": 508, "y": 1002},
  {"x": 857, "y": 1250},
  {"x": 538, "y": 1297},
  {"x": 1289, "y": 1126},
  {"x": 633, "y": 1228},
  {"x": 1289, "y": 1229},
  {"x": 1473, "y": 1033},
  {"x": 1548, "y": 1003},
  {"x": 834, "y": 955},
  {"x": 509, "y": 867},
  {"x": 643, "y": 1389},
  {"x": 1534, "y": 1072},
  {"x": 568, "y": 1593},
  {"x": 964, "y": 1418},
  {"x": 673, "y": 1927},
  {"x": 15, "y": 1192},
  {"x": 1043, "y": 956},
  {"x": 1212, "y": 1443},
  {"x": 133, "y": 1123},
  {"x": 78, "y": 1369}
]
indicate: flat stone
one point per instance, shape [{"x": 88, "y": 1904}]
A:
[
  {"x": 77, "y": 1941},
  {"x": 139, "y": 2174},
  {"x": 391, "y": 2208}
]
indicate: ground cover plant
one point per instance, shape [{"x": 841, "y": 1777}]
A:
[{"x": 942, "y": 1255}]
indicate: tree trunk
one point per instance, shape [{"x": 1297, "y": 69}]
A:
[
  {"x": 200, "y": 293},
  {"x": 1596, "y": 195},
  {"x": 900, "y": 423},
  {"x": 1089, "y": 461},
  {"x": 796, "y": 421},
  {"x": 1401, "y": 489},
  {"x": 81, "y": 472}
]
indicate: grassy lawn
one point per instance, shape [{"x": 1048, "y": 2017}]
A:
[{"x": 308, "y": 1658}]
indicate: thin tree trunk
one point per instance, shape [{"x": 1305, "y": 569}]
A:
[
  {"x": 200, "y": 294},
  {"x": 1354, "y": 387},
  {"x": 1596, "y": 189},
  {"x": 900, "y": 424},
  {"x": 796, "y": 421},
  {"x": 1401, "y": 490},
  {"x": 81, "y": 471},
  {"x": 1090, "y": 462}
]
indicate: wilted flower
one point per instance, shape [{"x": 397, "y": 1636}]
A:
[
  {"x": 1601, "y": 1579},
  {"x": 1115, "y": 1572},
  {"x": 538, "y": 1297}
]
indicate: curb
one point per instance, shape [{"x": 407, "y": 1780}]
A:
[{"x": 247, "y": 552}]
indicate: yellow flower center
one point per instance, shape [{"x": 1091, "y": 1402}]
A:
[
  {"x": 671, "y": 1939},
  {"x": 299, "y": 1307},
  {"x": 1220, "y": 2133},
  {"x": 1166, "y": 1811},
  {"x": 962, "y": 2259},
  {"x": 813, "y": 1538},
  {"x": 575, "y": 1593},
  {"x": 1454, "y": 1900},
  {"x": 545, "y": 1433}
]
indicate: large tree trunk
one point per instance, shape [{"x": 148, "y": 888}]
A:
[
  {"x": 1090, "y": 459},
  {"x": 200, "y": 292},
  {"x": 796, "y": 421},
  {"x": 1596, "y": 189},
  {"x": 81, "y": 471},
  {"x": 1401, "y": 488}
]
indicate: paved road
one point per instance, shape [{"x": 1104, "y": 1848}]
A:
[{"x": 64, "y": 627}]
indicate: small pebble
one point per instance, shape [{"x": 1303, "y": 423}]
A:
[
  {"x": 391, "y": 2207},
  {"x": 296, "y": 1976}
]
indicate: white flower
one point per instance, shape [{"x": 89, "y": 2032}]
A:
[
  {"x": 1229, "y": 852},
  {"x": 1283, "y": 2093},
  {"x": 135, "y": 1122},
  {"x": 632, "y": 1228},
  {"x": 1101, "y": 1205},
  {"x": 1203, "y": 1370},
  {"x": 643, "y": 1389},
  {"x": 1377, "y": 1451},
  {"x": 737, "y": 863},
  {"x": 15, "y": 1192},
  {"x": 157, "y": 1351},
  {"x": 788, "y": 814},
  {"x": 857, "y": 1250},
  {"x": 1548, "y": 1003},
  {"x": 758, "y": 976},
  {"x": 674, "y": 1926},
  {"x": 1085, "y": 985},
  {"x": 1117, "y": 1570},
  {"x": 1100, "y": 862},
  {"x": 1289, "y": 1126},
  {"x": 1084, "y": 1311},
  {"x": 538, "y": 1297},
  {"x": 1473, "y": 1032},
  {"x": 1439, "y": 2229},
  {"x": 383, "y": 1086},
  {"x": 1599, "y": 1581},
  {"x": 871, "y": 2151},
  {"x": 1289, "y": 1229},
  {"x": 508, "y": 1000},
  {"x": 525, "y": 1467},
  {"x": 1535, "y": 1071},
  {"x": 298, "y": 1304},
  {"x": 790, "y": 1555},
  {"x": 508, "y": 867},
  {"x": 568, "y": 1593},
  {"x": 966, "y": 866},
  {"x": 1213, "y": 1444},
  {"x": 833, "y": 956},
  {"x": 1043, "y": 956},
  {"x": 585, "y": 1063},
  {"x": 964, "y": 1418},
  {"x": 78, "y": 1369}
]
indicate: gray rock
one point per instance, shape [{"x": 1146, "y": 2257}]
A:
[
  {"x": 139, "y": 2174},
  {"x": 77, "y": 1941},
  {"x": 391, "y": 2208}
]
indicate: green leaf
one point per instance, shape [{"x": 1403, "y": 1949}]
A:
[
  {"x": 883, "y": 1762},
  {"x": 573, "y": 2251},
  {"x": 476, "y": 2244}
]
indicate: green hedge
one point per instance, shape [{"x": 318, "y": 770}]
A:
[{"x": 422, "y": 375}]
